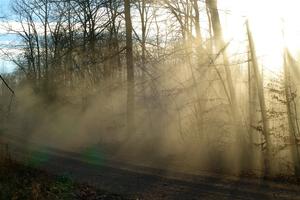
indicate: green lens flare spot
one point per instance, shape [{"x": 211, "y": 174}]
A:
[
  {"x": 93, "y": 155},
  {"x": 37, "y": 158}
]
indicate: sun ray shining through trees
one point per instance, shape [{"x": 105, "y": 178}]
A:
[{"x": 179, "y": 85}]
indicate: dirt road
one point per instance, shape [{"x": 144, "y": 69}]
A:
[{"x": 142, "y": 182}]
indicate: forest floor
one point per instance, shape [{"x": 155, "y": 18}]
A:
[{"x": 131, "y": 181}]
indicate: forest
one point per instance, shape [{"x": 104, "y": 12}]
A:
[{"x": 157, "y": 83}]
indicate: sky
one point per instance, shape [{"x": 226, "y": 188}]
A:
[
  {"x": 5, "y": 66},
  {"x": 3, "y": 6},
  {"x": 273, "y": 23}
]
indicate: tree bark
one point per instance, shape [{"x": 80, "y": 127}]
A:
[
  {"x": 130, "y": 69},
  {"x": 219, "y": 43},
  {"x": 260, "y": 90},
  {"x": 291, "y": 115}
]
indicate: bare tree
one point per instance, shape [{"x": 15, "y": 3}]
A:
[
  {"x": 261, "y": 96},
  {"x": 130, "y": 68},
  {"x": 219, "y": 42},
  {"x": 291, "y": 114}
]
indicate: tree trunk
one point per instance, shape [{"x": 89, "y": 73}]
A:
[
  {"x": 220, "y": 44},
  {"x": 46, "y": 50},
  {"x": 259, "y": 84},
  {"x": 291, "y": 115},
  {"x": 197, "y": 22},
  {"x": 236, "y": 117},
  {"x": 130, "y": 69}
]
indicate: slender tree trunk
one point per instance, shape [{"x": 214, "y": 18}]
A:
[
  {"x": 210, "y": 44},
  {"x": 69, "y": 69},
  {"x": 219, "y": 42},
  {"x": 236, "y": 117},
  {"x": 252, "y": 102},
  {"x": 291, "y": 115},
  {"x": 197, "y": 22},
  {"x": 38, "y": 57},
  {"x": 144, "y": 24},
  {"x": 46, "y": 41},
  {"x": 130, "y": 69},
  {"x": 115, "y": 40},
  {"x": 265, "y": 121}
]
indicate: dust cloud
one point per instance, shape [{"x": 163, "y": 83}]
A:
[{"x": 178, "y": 126}]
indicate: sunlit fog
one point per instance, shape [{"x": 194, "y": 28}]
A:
[{"x": 187, "y": 86}]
